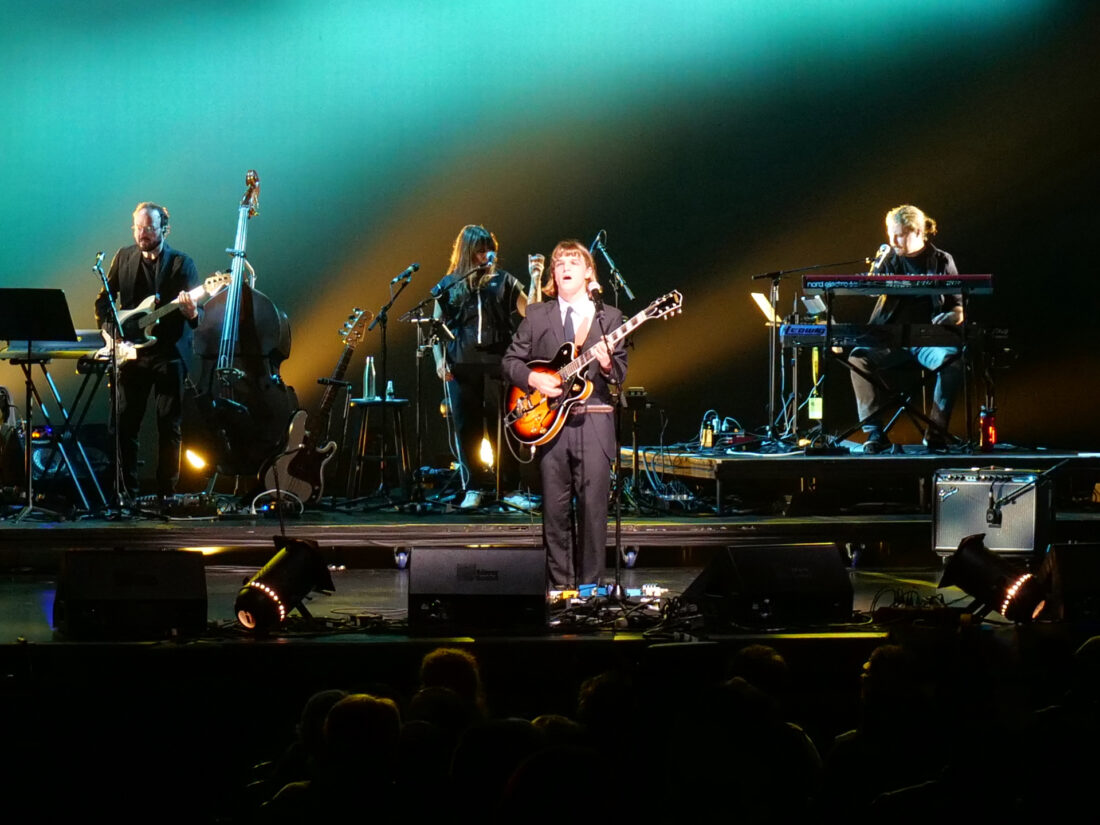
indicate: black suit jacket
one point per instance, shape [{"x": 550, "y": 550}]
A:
[
  {"x": 541, "y": 335},
  {"x": 175, "y": 272}
]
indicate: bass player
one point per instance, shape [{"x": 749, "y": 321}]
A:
[{"x": 151, "y": 267}]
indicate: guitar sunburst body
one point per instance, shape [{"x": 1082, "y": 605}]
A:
[
  {"x": 535, "y": 419},
  {"x": 532, "y": 419}
]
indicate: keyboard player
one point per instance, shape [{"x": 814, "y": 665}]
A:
[{"x": 909, "y": 252}]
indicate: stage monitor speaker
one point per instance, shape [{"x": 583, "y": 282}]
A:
[
  {"x": 482, "y": 589},
  {"x": 773, "y": 584},
  {"x": 962, "y": 508},
  {"x": 1071, "y": 573},
  {"x": 130, "y": 594}
]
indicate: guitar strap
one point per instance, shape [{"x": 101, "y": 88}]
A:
[{"x": 582, "y": 333}]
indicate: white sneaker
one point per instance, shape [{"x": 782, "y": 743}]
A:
[
  {"x": 472, "y": 500},
  {"x": 521, "y": 501}
]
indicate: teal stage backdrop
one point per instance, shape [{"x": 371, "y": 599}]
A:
[{"x": 712, "y": 140}]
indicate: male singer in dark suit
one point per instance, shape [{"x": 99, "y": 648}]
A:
[
  {"x": 151, "y": 267},
  {"x": 576, "y": 466}
]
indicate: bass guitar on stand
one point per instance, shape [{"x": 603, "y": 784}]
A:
[
  {"x": 299, "y": 470},
  {"x": 532, "y": 418}
]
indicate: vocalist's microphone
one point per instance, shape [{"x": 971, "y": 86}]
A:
[
  {"x": 880, "y": 256},
  {"x": 406, "y": 274},
  {"x": 595, "y": 294},
  {"x": 490, "y": 259},
  {"x": 601, "y": 237}
]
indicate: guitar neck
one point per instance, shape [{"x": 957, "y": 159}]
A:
[
  {"x": 329, "y": 398},
  {"x": 574, "y": 367},
  {"x": 196, "y": 295}
]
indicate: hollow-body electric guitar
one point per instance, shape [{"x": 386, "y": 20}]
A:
[
  {"x": 139, "y": 323},
  {"x": 299, "y": 469},
  {"x": 532, "y": 418}
]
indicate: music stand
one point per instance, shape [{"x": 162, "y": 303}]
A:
[{"x": 33, "y": 315}]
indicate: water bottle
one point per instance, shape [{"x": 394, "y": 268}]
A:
[
  {"x": 369, "y": 379},
  {"x": 987, "y": 429}
]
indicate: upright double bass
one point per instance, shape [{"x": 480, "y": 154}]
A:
[{"x": 241, "y": 342}]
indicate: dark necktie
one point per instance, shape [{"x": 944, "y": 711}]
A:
[{"x": 570, "y": 333}]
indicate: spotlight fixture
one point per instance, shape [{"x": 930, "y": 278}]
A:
[
  {"x": 194, "y": 459},
  {"x": 281, "y": 585},
  {"x": 993, "y": 582}
]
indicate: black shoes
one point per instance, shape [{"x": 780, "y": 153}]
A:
[
  {"x": 877, "y": 443},
  {"x": 935, "y": 444}
]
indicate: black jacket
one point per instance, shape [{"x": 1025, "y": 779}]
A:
[{"x": 175, "y": 272}]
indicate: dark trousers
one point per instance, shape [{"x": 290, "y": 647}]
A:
[
  {"x": 164, "y": 378},
  {"x": 576, "y": 480},
  {"x": 870, "y": 398},
  {"x": 476, "y": 394}
]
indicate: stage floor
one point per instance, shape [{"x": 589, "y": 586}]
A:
[{"x": 370, "y": 605}]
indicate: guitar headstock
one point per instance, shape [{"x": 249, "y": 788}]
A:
[
  {"x": 251, "y": 197},
  {"x": 666, "y": 305},
  {"x": 353, "y": 329},
  {"x": 216, "y": 282}
]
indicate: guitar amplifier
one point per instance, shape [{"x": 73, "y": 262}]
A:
[{"x": 966, "y": 503}]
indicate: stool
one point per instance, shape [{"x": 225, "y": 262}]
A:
[{"x": 359, "y": 418}]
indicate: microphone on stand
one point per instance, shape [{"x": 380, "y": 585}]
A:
[
  {"x": 993, "y": 512},
  {"x": 601, "y": 237},
  {"x": 595, "y": 294},
  {"x": 490, "y": 259},
  {"x": 880, "y": 256},
  {"x": 408, "y": 273}
]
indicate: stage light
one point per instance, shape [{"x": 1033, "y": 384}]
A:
[
  {"x": 280, "y": 586},
  {"x": 993, "y": 582},
  {"x": 486, "y": 453},
  {"x": 765, "y": 307},
  {"x": 194, "y": 459}
]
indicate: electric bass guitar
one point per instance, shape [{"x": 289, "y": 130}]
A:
[
  {"x": 299, "y": 469},
  {"x": 138, "y": 323},
  {"x": 532, "y": 418}
]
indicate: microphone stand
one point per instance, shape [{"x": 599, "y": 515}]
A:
[
  {"x": 615, "y": 594},
  {"x": 382, "y": 319},
  {"x": 427, "y": 336},
  {"x": 617, "y": 280},
  {"x": 993, "y": 512},
  {"x": 122, "y": 498},
  {"x": 773, "y": 338}
]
